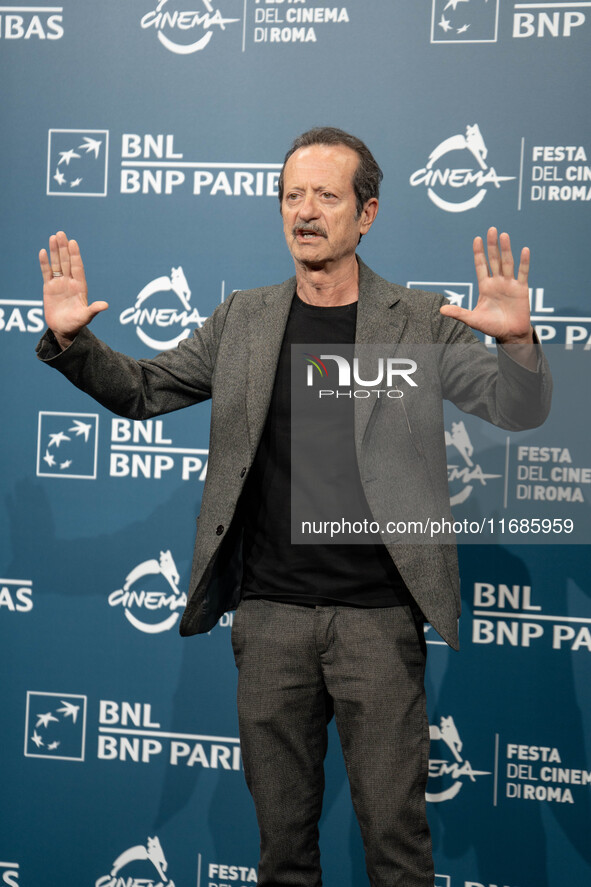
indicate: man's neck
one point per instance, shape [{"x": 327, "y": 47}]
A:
[{"x": 329, "y": 287}]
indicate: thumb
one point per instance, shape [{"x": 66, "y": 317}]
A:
[
  {"x": 96, "y": 308},
  {"x": 458, "y": 313}
]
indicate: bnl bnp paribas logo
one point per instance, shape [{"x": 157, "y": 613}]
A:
[
  {"x": 77, "y": 161},
  {"x": 77, "y": 166},
  {"x": 457, "y": 175},
  {"x": 186, "y": 31}
]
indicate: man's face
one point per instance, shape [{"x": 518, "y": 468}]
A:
[{"x": 319, "y": 210}]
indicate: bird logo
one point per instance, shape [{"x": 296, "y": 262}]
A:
[
  {"x": 77, "y": 162},
  {"x": 67, "y": 445},
  {"x": 55, "y": 725}
]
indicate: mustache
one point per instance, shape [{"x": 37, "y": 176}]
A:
[{"x": 308, "y": 227}]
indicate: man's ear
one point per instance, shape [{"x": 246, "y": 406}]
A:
[{"x": 368, "y": 214}]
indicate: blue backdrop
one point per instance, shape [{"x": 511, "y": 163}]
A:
[{"x": 153, "y": 133}]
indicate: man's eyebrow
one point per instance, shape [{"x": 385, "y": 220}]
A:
[{"x": 315, "y": 188}]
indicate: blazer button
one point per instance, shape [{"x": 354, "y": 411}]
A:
[
  {"x": 243, "y": 472},
  {"x": 219, "y": 530}
]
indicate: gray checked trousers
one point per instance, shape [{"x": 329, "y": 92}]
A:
[{"x": 298, "y": 665}]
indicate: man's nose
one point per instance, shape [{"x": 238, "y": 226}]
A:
[{"x": 309, "y": 208}]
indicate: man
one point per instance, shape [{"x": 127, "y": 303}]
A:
[{"x": 319, "y": 629}]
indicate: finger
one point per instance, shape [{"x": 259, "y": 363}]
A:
[
  {"x": 62, "y": 242},
  {"x": 506, "y": 256},
  {"x": 492, "y": 245},
  {"x": 523, "y": 265},
  {"x": 76, "y": 264},
  {"x": 54, "y": 255},
  {"x": 45, "y": 266},
  {"x": 480, "y": 263}
]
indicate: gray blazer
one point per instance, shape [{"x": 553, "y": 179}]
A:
[{"x": 232, "y": 359}]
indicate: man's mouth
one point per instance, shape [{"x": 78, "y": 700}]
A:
[{"x": 308, "y": 232}]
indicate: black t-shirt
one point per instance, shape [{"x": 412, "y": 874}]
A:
[{"x": 361, "y": 575}]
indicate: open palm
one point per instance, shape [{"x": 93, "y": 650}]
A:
[
  {"x": 65, "y": 293},
  {"x": 502, "y": 310}
]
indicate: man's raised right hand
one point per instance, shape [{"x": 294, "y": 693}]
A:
[{"x": 65, "y": 296}]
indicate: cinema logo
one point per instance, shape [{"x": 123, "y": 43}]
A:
[
  {"x": 507, "y": 615},
  {"x": 151, "y": 165},
  {"x": 139, "y": 866},
  {"x": 462, "y": 476},
  {"x": 154, "y": 320},
  {"x": 347, "y": 375},
  {"x": 149, "y": 589},
  {"x": 185, "y": 31},
  {"x": 450, "y": 172},
  {"x": 127, "y": 732},
  {"x": 448, "y": 772}
]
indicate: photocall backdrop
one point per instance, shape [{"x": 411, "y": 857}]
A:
[{"x": 153, "y": 133}]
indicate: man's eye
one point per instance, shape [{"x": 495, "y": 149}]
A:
[{"x": 328, "y": 194}]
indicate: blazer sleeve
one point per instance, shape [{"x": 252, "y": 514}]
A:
[
  {"x": 141, "y": 389},
  {"x": 491, "y": 385}
]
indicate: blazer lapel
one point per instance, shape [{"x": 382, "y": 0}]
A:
[
  {"x": 381, "y": 319},
  {"x": 267, "y": 321}
]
